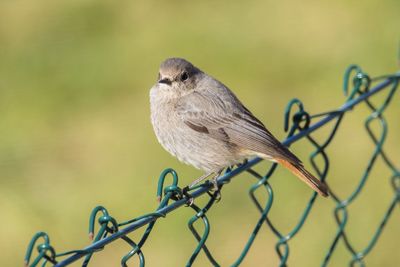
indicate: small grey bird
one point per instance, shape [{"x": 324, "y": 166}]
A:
[{"x": 200, "y": 121}]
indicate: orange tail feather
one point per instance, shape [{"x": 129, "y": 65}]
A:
[{"x": 305, "y": 176}]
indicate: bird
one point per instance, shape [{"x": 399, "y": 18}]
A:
[{"x": 199, "y": 120}]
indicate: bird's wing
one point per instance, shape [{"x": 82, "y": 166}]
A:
[{"x": 219, "y": 114}]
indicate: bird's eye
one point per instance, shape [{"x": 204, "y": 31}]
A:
[{"x": 184, "y": 76}]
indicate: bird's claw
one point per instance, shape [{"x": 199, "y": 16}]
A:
[
  {"x": 215, "y": 191},
  {"x": 215, "y": 194},
  {"x": 187, "y": 195},
  {"x": 218, "y": 195},
  {"x": 190, "y": 202}
]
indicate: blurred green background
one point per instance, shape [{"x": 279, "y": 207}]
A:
[{"x": 75, "y": 129}]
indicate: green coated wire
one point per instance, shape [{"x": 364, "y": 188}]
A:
[{"x": 356, "y": 85}]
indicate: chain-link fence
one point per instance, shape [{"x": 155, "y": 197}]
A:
[{"x": 358, "y": 87}]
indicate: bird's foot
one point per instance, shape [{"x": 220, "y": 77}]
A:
[
  {"x": 242, "y": 163},
  {"x": 216, "y": 190},
  {"x": 187, "y": 195}
]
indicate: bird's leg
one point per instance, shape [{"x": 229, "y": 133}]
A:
[
  {"x": 243, "y": 163},
  {"x": 214, "y": 179},
  {"x": 215, "y": 184},
  {"x": 193, "y": 184},
  {"x": 201, "y": 178},
  {"x": 237, "y": 165},
  {"x": 214, "y": 175}
]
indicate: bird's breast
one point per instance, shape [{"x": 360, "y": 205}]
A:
[{"x": 189, "y": 146}]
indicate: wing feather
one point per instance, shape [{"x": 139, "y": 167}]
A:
[{"x": 225, "y": 118}]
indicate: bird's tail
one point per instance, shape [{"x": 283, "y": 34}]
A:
[{"x": 305, "y": 176}]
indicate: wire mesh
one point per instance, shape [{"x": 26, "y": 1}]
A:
[{"x": 358, "y": 87}]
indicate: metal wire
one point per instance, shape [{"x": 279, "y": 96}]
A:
[{"x": 357, "y": 87}]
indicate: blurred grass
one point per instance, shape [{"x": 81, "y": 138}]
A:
[{"x": 75, "y": 133}]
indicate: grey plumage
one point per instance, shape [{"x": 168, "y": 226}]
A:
[{"x": 201, "y": 122}]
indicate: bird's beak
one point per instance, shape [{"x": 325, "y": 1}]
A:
[{"x": 165, "y": 81}]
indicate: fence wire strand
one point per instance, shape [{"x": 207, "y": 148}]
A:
[{"x": 358, "y": 87}]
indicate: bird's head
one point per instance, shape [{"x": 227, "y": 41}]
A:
[{"x": 178, "y": 76}]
